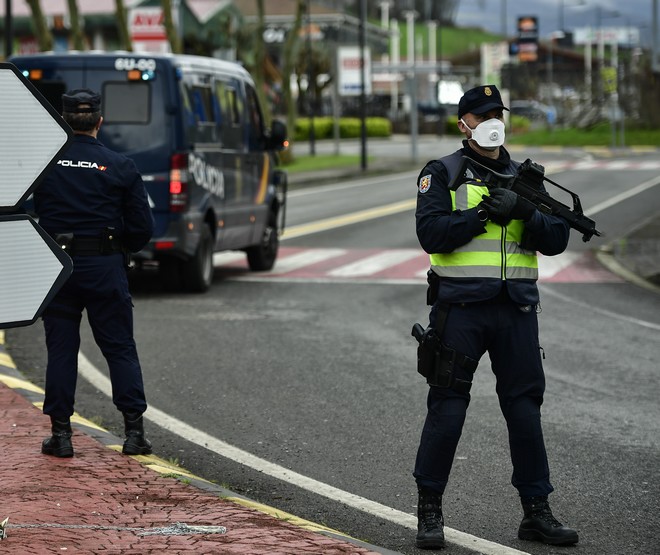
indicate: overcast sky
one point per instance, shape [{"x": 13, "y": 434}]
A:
[{"x": 576, "y": 13}]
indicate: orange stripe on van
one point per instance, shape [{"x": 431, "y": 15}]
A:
[{"x": 263, "y": 182}]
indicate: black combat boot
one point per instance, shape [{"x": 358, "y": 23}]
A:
[
  {"x": 430, "y": 532},
  {"x": 135, "y": 443},
  {"x": 59, "y": 444},
  {"x": 540, "y": 525}
]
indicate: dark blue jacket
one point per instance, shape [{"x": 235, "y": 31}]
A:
[
  {"x": 441, "y": 230},
  {"x": 91, "y": 188}
]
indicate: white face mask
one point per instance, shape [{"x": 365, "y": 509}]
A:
[{"x": 488, "y": 134}]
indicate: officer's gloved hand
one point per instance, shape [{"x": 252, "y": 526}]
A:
[{"x": 503, "y": 205}]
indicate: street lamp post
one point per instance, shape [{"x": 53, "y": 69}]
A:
[
  {"x": 363, "y": 81},
  {"x": 394, "y": 88},
  {"x": 310, "y": 89}
]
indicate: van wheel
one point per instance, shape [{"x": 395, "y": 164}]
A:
[
  {"x": 198, "y": 271},
  {"x": 261, "y": 257}
]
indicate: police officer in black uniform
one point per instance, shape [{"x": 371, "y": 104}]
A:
[
  {"x": 95, "y": 205},
  {"x": 482, "y": 287}
]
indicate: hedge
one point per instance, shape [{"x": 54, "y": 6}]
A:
[{"x": 349, "y": 128}]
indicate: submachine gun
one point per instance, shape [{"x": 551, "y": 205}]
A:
[{"x": 528, "y": 183}]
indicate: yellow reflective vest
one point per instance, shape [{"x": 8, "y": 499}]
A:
[{"x": 496, "y": 253}]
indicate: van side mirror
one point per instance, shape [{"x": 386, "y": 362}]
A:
[{"x": 277, "y": 139}]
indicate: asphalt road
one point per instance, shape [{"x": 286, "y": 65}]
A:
[{"x": 311, "y": 370}]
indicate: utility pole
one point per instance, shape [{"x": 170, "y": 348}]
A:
[
  {"x": 310, "y": 89},
  {"x": 363, "y": 82},
  {"x": 9, "y": 33}
]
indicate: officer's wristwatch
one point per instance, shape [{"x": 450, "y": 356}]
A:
[{"x": 483, "y": 215}]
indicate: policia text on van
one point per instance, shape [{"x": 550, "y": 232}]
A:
[{"x": 195, "y": 130}]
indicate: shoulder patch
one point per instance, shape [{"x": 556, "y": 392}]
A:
[{"x": 424, "y": 183}]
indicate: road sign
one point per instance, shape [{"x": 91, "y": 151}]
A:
[
  {"x": 33, "y": 267},
  {"x": 32, "y": 135}
]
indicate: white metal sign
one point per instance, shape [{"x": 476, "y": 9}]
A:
[
  {"x": 623, "y": 36},
  {"x": 349, "y": 80},
  {"x": 32, "y": 136},
  {"x": 34, "y": 267}
]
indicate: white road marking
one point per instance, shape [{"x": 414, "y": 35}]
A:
[
  {"x": 395, "y": 266},
  {"x": 219, "y": 447},
  {"x": 375, "y": 263},
  {"x": 305, "y": 258}
]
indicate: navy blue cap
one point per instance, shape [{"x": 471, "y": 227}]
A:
[
  {"x": 81, "y": 101},
  {"x": 480, "y": 100}
]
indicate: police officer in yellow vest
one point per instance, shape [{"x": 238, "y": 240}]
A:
[{"x": 482, "y": 287}]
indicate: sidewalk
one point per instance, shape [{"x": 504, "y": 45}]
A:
[{"x": 101, "y": 501}]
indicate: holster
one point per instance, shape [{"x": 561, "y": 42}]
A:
[{"x": 441, "y": 365}]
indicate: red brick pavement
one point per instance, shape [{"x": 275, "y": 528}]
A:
[{"x": 101, "y": 501}]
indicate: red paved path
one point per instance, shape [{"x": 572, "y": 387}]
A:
[{"x": 101, "y": 501}]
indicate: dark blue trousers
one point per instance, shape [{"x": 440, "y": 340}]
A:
[
  {"x": 99, "y": 285},
  {"x": 510, "y": 336}
]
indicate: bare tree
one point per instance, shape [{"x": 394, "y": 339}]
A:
[
  {"x": 41, "y": 30},
  {"x": 288, "y": 64},
  {"x": 171, "y": 30},
  {"x": 314, "y": 61},
  {"x": 122, "y": 26},
  {"x": 259, "y": 72},
  {"x": 76, "y": 31}
]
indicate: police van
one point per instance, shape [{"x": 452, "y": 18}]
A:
[{"x": 195, "y": 130}]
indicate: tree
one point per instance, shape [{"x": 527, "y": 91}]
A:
[
  {"x": 288, "y": 63},
  {"x": 170, "y": 29},
  {"x": 122, "y": 26},
  {"x": 76, "y": 31},
  {"x": 41, "y": 30},
  {"x": 312, "y": 62},
  {"x": 259, "y": 72}
]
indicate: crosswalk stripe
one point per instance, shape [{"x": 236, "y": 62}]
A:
[
  {"x": 227, "y": 257},
  {"x": 305, "y": 258},
  {"x": 617, "y": 165},
  {"x": 399, "y": 266},
  {"x": 375, "y": 263}
]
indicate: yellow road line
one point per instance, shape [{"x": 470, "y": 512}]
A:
[{"x": 347, "y": 219}]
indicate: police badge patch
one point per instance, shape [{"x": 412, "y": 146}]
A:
[{"x": 425, "y": 183}]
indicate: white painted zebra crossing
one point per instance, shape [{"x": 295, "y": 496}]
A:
[
  {"x": 389, "y": 266},
  {"x": 608, "y": 165}
]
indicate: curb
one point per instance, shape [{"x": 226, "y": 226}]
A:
[
  {"x": 605, "y": 256},
  {"x": 14, "y": 380}
]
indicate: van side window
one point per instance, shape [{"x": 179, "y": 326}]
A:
[
  {"x": 201, "y": 121},
  {"x": 256, "y": 137},
  {"x": 126, "y": 102},
  {"x": 228, "y": 97}
]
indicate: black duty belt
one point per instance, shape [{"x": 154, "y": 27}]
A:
[{"x": 87, "y": 246}]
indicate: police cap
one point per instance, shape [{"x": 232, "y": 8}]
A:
[
  {"x": 81, "y": 101},
  {"x": 480, "y": 100}
]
